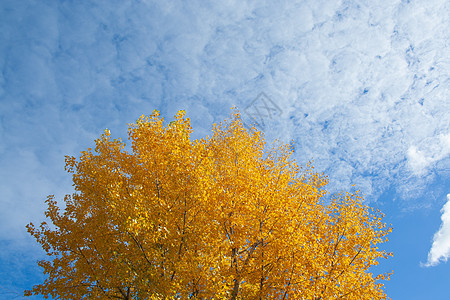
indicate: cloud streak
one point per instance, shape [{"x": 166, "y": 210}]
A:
[{"x": 440, "y": 249}]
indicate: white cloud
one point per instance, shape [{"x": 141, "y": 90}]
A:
[
  {"x": 433, "y": 150},
  {"x": 440, "y": 249}
]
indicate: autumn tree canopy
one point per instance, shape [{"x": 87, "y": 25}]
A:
[{"x": 215, "y": 218}]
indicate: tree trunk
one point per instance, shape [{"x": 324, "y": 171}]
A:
[{"x": 235, "y": 291}]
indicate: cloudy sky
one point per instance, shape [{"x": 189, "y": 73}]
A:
[{"x": 360, "y": 87}]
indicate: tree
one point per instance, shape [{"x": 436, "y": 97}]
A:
[{"x": 215, "y": 218}]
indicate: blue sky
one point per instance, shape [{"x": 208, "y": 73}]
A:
[{"x": 361, "y": 87}]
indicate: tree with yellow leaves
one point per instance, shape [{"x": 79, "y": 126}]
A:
[{"x": 215, "y": 218}]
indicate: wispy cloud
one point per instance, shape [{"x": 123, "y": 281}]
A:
[
  {"x": 440, "y": 249},
  {"x": 360, "y": 84}
]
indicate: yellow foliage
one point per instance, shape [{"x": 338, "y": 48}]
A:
[{"x": 215, "y": 218}]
